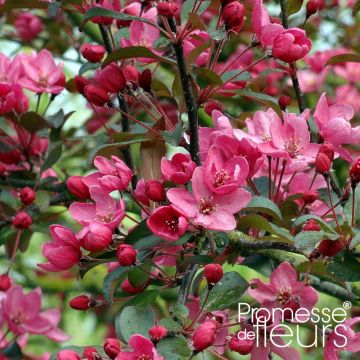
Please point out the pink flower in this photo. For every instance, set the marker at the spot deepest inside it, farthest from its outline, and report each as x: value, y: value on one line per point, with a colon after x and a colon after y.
x: 10, y: 70
x: 348, y: 94
x: 105, y: 4
x: 193, y: 41
x: 224, y: 175
x: 113, y: 174
x: 334, y: 126
x: 22, y: 313
x: 41, y: 74
x: 95, y: 237
x: 142, y: 347
x: 284, y: 290
x: 179, y: 169
x: 140, y: 194
x: 207, y: 209
x: 63, y: 251
x: 28, y: 26
x: 343, y: 338
x: 105, y: 210
x: 12, y: 98
x: 167, y: 223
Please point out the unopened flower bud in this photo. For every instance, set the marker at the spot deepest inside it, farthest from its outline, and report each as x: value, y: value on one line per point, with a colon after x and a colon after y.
x: 90, y: 353
x: 309, y: 196
x: 130, y: 289
x: 322, y: 163
x: 212, y: 105
x: 145, y: 79
x: 154, y: 190
x: 80, y: 83
x: 95, y: 237
x: 22, y: 220
x: 68, y: 355
x: 330, y: 247
x: 312, y: 7
x: 112, y: 347
x: 82, y: 302
x: 243, y: 346
x: 27, y: 195
x: 111, y: 78
x: 355, y: 172
x: 167, y: 9
x: 96, y: 95
x: 5, y: 282
x: 284, y: 101
x: 328, y: 150
x: 126, y: 255
x: 213, y: 273
x: 311, y: 225
x: 92, y: 53
x: 77, y: 187
x: 204, y: 335
x: 157, y: 332
x: 233, y: 15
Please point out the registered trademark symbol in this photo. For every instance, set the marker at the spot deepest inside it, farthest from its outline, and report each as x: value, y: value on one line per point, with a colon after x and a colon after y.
x: 347, y: 305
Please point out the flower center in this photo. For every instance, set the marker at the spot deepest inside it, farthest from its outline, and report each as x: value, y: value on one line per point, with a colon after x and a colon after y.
x: 106, y: 218
x: 292, y: 148
x: 19, y: 318
x: 284, y: 295
x: 144, y: 357
x: 207, y: 206
x: 42, y: 81
x: 172, y: 224
x: 221, y: 177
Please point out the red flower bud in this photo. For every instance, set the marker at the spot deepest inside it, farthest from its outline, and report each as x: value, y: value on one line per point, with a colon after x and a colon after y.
x: 309, y: 196
x: 213, y: 273
x: 204, y: 335
x: 77, y: 187
x: 284, y: 101
x: 212, y: 105
x: 167, y: 9
x: 5, y: 282
x: 111, y: 78
x: 330, y: 247
x: 92, y: 53
x: 96, y: 95
x: 328, y: 150
x: 22, y: 220
x: 126, y: 255
x: 81, y: 302
x: 290, y: 308
x: 95, y: 237
x: 2, y: 169
x: 90, y: 353
x: 112, y: 347
x: 80, y: 84
x: 311, y: 225
x: 312, y: 7
x: 27, y: 195
x: 233, y: 15
x: 243, y: 346
x: 68, y: 355
x: 322, y: 163
x: 145, y: 79
x: 158, y: 332
x: 128, y: 288
x: 154, y: 190
x: 131, y: 73
x: 355, y: 172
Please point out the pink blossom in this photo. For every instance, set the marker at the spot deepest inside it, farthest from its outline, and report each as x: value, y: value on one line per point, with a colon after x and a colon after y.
x: 284, y: 290
x: 142, y: 347
x: 348, y: 94
x: 167, y: 223
x: 41, y: 74
x: 105, y: 4
x: 140, y: 194
x: 350, y: 71
x: 224, y: 175
x: 179, y: 169
x: 334, y: 126
x: 343, y: 338
x: 113, y: 174
x: 193, y: 41
x: 12, y: 98
x: 22, y: 313
x: 63, y: 251
x: 28, y: 26
x: 205, y: 208
x: 10, y: 69
x: 105, y: 210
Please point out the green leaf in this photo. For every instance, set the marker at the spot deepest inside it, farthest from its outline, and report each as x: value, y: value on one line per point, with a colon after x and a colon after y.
x: 175, y: 348
x: 132, y: 52
x: 108, y: 286
x: 42, y: 200
x: 141, y: 236
x: 12, y: 351
x: 173, y: 137
x: 206, y: 77
x: 144, y: 299
x: 53, y: 9
x: 306, y: 240
x: 133, y: 320
x: 138, y: 277
x: 58, y: 119
x: 218, y: 35
x: 245, y: 76
x: 354, y: 241
x: 293, y: 6
x: 20, y: 4
x: 87, y: 67
x: 259, y: 222
x: 180, y: 310
x: 33, y: 122
x: 264, y: 205
x: 171, y: 325
x: 356, y: 8
x: 54, y: 153
x: 323, y: 224
x: 344, y: 266
x: 227, y: 293
x: 338, y: 59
